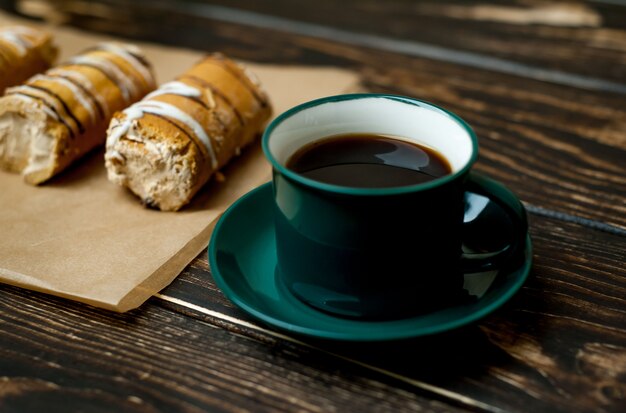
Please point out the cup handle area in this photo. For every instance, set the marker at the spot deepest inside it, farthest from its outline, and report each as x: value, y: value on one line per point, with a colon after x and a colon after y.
x: 495, y: 226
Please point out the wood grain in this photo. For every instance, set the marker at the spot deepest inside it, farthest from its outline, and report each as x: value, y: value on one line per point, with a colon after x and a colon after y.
x: 59, y: 356
x: 576, y: 37
x: 558, y: 346
x: 585, y: 38
x: 558, y: 147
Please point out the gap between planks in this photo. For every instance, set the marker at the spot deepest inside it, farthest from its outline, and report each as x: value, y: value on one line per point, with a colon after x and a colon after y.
x: 406, y: 47
x: 446, y: 394
x: 459, y: 398
x: 585, y: 222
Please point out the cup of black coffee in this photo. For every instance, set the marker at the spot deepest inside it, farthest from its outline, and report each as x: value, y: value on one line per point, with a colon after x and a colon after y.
x: 369, y: 203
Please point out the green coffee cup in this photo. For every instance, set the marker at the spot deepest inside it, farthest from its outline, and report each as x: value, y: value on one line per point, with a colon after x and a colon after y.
x: 380, y: 252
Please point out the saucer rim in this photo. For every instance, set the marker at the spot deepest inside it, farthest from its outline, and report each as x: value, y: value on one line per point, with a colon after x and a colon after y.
x: 377, y: 335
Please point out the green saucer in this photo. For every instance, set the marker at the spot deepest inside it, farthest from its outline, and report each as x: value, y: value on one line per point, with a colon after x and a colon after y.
x: 242, y: 256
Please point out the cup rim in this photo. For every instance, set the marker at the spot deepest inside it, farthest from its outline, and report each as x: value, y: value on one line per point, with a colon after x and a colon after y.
x: 346, y: 190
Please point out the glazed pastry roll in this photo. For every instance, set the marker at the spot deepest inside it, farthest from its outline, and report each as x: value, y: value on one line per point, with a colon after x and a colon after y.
x: 24, y: 51
x: 55, y: 118
x: 167, y: 146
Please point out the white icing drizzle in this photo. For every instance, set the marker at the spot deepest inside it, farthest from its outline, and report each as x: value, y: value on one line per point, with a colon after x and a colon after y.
x: 126, y: 84
x: 46, y: 109
x: 78, y: 93
x: 175, y: 88
x: 123, y: 52
x: 85, y: 82
x: 43, y: 96
x: 24, y: 30
x: 156, y: 107
x: 13, y: 35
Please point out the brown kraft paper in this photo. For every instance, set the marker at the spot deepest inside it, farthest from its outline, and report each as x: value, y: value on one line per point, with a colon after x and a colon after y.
x: 83, y: 238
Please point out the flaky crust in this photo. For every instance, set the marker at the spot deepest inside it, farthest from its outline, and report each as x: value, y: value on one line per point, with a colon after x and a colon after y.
x: 159, y: 156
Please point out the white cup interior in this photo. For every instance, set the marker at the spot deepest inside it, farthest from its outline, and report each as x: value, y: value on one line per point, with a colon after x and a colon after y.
x: 425, y: 125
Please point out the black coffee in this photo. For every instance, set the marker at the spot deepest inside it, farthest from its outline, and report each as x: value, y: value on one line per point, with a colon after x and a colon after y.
x: 365, y: 160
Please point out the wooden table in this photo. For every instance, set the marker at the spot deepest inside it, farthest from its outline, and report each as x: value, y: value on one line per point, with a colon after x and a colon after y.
x: 542, y: 83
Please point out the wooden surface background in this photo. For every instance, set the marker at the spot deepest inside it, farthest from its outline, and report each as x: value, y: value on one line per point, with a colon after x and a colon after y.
x: 542, y: 83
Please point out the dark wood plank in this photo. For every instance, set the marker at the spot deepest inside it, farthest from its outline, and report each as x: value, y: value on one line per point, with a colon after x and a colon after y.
x: 558, y: 346
x: 576, y: 37
x: 557, y: 147
x: 549, y: 144
x: 59, y: 356
x: 585, y: 38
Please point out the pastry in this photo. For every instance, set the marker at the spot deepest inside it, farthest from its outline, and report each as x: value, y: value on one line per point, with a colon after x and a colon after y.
x: 167, y: 146
x: 24, y: 51
x: 55, y: 118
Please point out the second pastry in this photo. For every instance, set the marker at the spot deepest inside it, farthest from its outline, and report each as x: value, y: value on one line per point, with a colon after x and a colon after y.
x: 167, y: 146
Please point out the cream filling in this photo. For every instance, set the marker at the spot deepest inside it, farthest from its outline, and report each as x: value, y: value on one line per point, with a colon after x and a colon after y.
x: 155, y: 173
x: 13, y: 148
x: 41, y: 156
x: 24, y: 141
